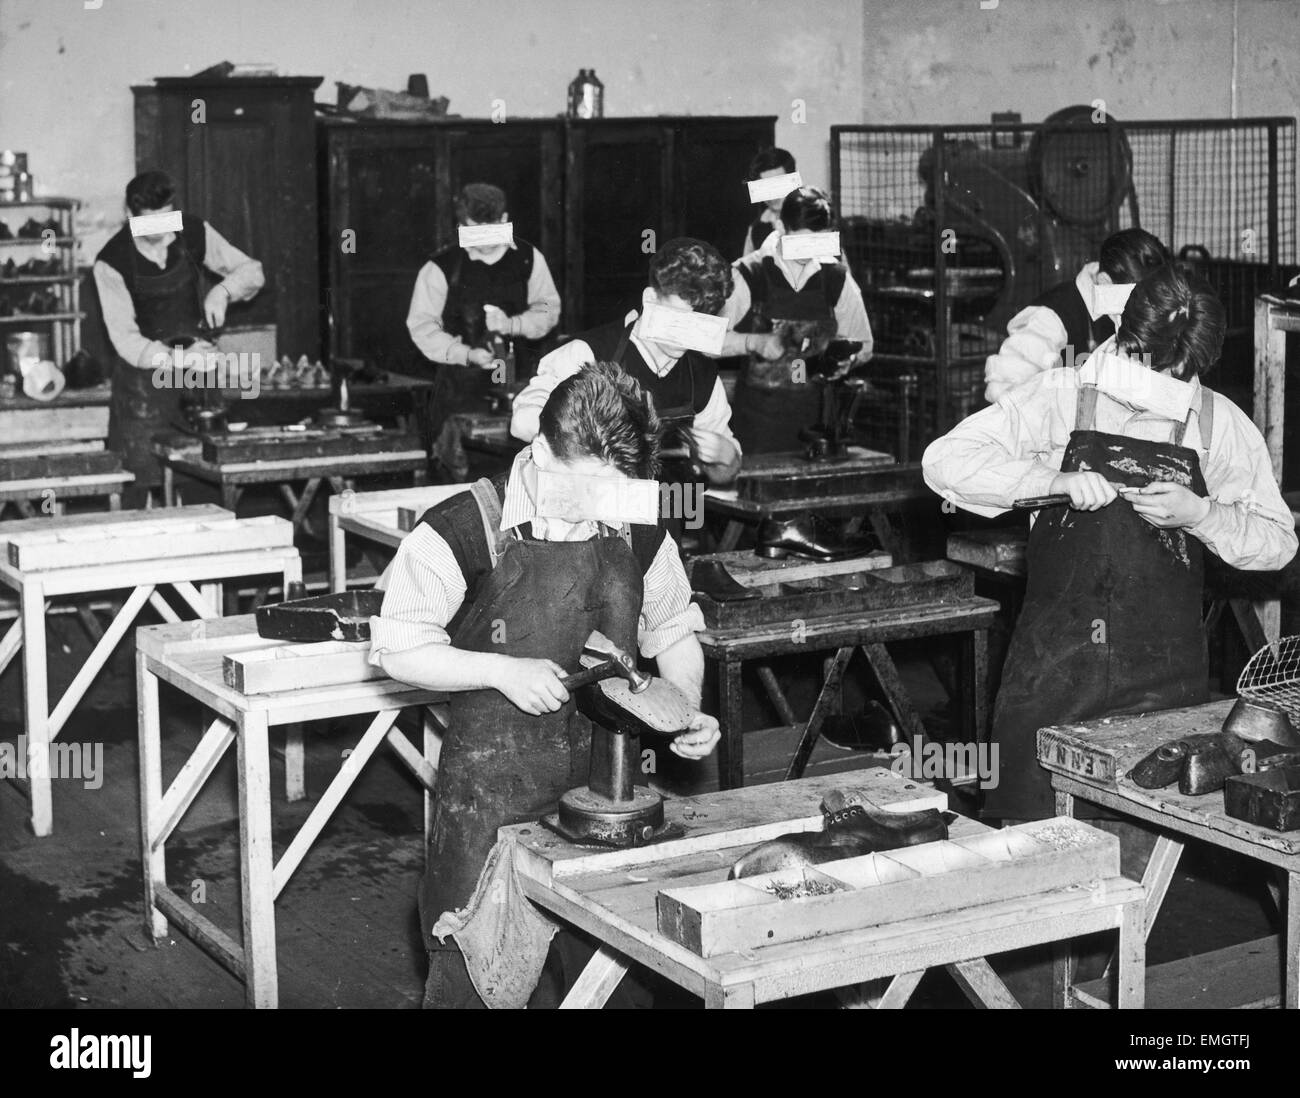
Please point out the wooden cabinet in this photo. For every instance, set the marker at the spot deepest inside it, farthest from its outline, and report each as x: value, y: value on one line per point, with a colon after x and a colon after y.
x: 586, y: 193
x: 243, y: 155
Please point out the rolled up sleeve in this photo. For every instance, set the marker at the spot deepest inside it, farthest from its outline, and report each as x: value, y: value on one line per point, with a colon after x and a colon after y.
x: 525, y: 415
x: 1003, y: 453
x: 1249, y: 526
x: 1035, y: 339
x: 425, y: 589
x: 667, y: 612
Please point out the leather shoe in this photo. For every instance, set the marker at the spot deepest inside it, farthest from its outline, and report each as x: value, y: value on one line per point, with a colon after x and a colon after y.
x: 710, y: 577
x: 809, y: 538
x: 874, y: 729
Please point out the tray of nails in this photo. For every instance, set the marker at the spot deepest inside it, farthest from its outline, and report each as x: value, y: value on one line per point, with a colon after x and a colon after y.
x: 842, y: 587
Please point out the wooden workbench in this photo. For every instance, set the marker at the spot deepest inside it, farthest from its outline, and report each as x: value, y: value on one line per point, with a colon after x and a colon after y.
x: 900, y: 484
x: 841, y: 635
x: 191, y: 657
x: 183, y: 454
x: 1090, y: 762
x: 611, y: 895
x: 375, y: 519
x: 192, y: 549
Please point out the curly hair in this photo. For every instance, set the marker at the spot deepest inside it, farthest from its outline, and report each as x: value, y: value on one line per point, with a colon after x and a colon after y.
x: 807, y: 208
x: 1175, y: 317
x: 767, y: 159
x: 694, y: 271
x: 601, y: 412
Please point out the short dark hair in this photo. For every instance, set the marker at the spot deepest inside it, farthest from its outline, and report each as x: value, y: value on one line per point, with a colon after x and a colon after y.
x: 481, y: 202
x: 694, y: 271
x: 601, y: 412
x: 807, y: 208
x: 767, y: 159
x: 150, y: 190
x: 1131, y: 254
x: 1174, y: 316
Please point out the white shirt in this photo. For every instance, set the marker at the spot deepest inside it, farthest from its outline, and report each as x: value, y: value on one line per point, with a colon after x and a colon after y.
x: 1013, y: 450
x: 429, y: 298
x: 568, y: 360
x: 426, y: 586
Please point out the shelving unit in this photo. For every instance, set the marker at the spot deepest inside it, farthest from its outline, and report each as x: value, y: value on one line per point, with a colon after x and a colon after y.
x: 64, y: 324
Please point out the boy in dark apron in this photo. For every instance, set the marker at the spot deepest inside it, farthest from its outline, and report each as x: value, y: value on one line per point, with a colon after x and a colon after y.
x: 154, y: 297
x: 493, y: 605
x: 783, y: 315
x: 1158, y: 469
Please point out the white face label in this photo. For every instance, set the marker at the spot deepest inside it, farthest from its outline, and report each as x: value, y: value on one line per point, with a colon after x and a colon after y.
x: 683, y: 328
x: 1110, y: 300
x: 774, y: 187
x: 810, y: 245
x: 155, y: 224
x: 613, y: 500
x: 487, y: 236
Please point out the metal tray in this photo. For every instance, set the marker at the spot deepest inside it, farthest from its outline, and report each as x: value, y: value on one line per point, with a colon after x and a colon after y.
x: 343, y: 616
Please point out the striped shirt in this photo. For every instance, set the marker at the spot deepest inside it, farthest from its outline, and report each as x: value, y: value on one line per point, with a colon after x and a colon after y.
x: 426, y: 587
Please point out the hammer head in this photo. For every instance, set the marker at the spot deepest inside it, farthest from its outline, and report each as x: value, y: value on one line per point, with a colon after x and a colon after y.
x: 624, y: 665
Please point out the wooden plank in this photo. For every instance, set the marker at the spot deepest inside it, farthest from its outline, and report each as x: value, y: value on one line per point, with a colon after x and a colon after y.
x: 257, y: 860
x: 1001, y: 550
x: 206, y: 512
x: 1244, y: 976
x: 44, y: 551
x: 49, y: 447
x: 420, y: 499
x: 54, y: 466
x: 299, y: 667
x: 981, y: 984
x: 750, y: 570
x: 889, y: 887
x: 715, y: 821
x: 39, y: 424
x: 304, y: 446
x: 603, y: 973
x: 168, y: 810
x: 202, y: 931
x: 900, y: 990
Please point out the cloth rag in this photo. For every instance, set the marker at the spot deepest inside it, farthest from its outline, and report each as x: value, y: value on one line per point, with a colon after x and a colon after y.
x: 502, y: 936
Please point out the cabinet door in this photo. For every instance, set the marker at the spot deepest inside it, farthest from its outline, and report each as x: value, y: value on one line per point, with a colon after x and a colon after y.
x: 247, y: 166
x: 385, y: 203
x: 619, y: 178
x: 712, y: 164
x: 523, y: 159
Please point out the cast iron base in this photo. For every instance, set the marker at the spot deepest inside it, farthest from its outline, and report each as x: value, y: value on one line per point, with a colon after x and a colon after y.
x: 587, y: 817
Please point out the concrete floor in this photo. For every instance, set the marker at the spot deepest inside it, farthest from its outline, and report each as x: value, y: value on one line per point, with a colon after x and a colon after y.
x: 71, y: 910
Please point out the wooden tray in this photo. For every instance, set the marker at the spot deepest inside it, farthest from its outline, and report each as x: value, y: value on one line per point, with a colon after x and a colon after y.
x: 53, y: 466
x: 280, y: 667
x: 144, y: 537
x: 1000, y: 550
x: 830, y: 595
x: 814, y: 480
x: 278, y: 444
x: 889, y: 887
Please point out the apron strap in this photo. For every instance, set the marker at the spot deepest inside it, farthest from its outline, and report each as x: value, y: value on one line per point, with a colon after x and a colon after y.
x: 1205, y: 415
x: 621, y: 347
x: 1085, y: 409
x: 489, y: 506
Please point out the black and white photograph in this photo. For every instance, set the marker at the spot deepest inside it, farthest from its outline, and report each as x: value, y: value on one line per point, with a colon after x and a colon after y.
x: 648, y: 505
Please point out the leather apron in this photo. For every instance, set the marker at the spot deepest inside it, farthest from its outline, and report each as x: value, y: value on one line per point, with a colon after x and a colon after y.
x: 499, y: 765
x: 1111, y: 622
x: 684, y: 488
x: 168, y: 307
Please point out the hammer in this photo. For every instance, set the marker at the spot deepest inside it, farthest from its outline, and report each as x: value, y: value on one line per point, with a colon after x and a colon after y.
x: 613, y: 661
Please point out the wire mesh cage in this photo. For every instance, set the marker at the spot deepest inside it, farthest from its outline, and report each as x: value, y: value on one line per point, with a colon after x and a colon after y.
x: 952, y: 230
x: 1272, y: 677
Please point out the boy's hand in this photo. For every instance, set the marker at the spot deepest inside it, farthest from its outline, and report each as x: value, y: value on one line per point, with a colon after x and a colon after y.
x: 495, y: 320
x: 1087, y: 491
x: 1167, y: 505
x: 699, y: 740
x: 478, y: 356
x: 535, y: 686
x: 765, y: 345
x: 710, y: 447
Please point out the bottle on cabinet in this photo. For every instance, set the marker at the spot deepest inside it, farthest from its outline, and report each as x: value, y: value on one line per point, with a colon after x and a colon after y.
x: 586, y: 95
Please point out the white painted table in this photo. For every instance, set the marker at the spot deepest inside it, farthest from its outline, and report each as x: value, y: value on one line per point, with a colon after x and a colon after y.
x: 375, y: 518
x: 192, y: 549
x: 281, y: 684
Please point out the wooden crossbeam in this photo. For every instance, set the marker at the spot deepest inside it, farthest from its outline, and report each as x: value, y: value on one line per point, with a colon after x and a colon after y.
x: 187, y: 784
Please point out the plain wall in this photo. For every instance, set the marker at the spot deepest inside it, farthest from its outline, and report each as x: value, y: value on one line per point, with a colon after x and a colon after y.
x: 65, y: 72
